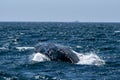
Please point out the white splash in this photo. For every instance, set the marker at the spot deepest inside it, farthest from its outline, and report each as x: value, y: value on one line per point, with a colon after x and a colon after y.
x: 89, y: 59
x: 39, y: 57
x: 24, y: 48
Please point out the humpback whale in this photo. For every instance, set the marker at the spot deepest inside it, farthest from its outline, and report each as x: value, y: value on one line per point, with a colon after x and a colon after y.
x: 56, y: 52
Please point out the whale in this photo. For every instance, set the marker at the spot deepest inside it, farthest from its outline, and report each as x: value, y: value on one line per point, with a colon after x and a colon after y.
x: 57, y: 52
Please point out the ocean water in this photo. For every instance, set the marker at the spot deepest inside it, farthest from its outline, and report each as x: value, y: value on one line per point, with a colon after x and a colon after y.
x: 99, y: 43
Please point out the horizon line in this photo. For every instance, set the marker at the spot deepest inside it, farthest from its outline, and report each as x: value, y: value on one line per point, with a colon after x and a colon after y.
x: 68, y: 21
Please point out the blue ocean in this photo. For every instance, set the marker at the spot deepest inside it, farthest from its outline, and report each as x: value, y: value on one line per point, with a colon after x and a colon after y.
x: 98, y: 43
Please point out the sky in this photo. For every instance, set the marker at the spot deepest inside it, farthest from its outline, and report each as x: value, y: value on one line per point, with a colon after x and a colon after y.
x: 60, y: 10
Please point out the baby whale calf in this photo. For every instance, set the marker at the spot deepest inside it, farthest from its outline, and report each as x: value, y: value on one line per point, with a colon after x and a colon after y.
x: 56, y: 52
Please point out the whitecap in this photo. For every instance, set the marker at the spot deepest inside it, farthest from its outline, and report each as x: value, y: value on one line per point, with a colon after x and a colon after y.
x: 116, y: 31
x: 24, y: 48
x: 78, y: 46
x: 3, y: 48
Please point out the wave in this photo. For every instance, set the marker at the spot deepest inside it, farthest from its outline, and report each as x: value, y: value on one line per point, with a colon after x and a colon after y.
x: 116, y: 31
x: 24, y: 48
x: 3, y: 48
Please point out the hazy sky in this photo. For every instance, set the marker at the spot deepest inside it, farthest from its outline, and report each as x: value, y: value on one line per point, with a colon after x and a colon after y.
x: 60, y: 10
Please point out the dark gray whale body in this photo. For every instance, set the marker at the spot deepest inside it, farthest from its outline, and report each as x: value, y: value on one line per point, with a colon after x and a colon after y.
x: 57, y: 52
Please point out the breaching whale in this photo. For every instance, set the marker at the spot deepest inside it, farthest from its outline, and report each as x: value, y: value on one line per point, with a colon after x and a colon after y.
x: 56, y: 52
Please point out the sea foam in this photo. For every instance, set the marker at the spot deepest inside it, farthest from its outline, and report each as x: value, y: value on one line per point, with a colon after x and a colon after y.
x: 89, y: 59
